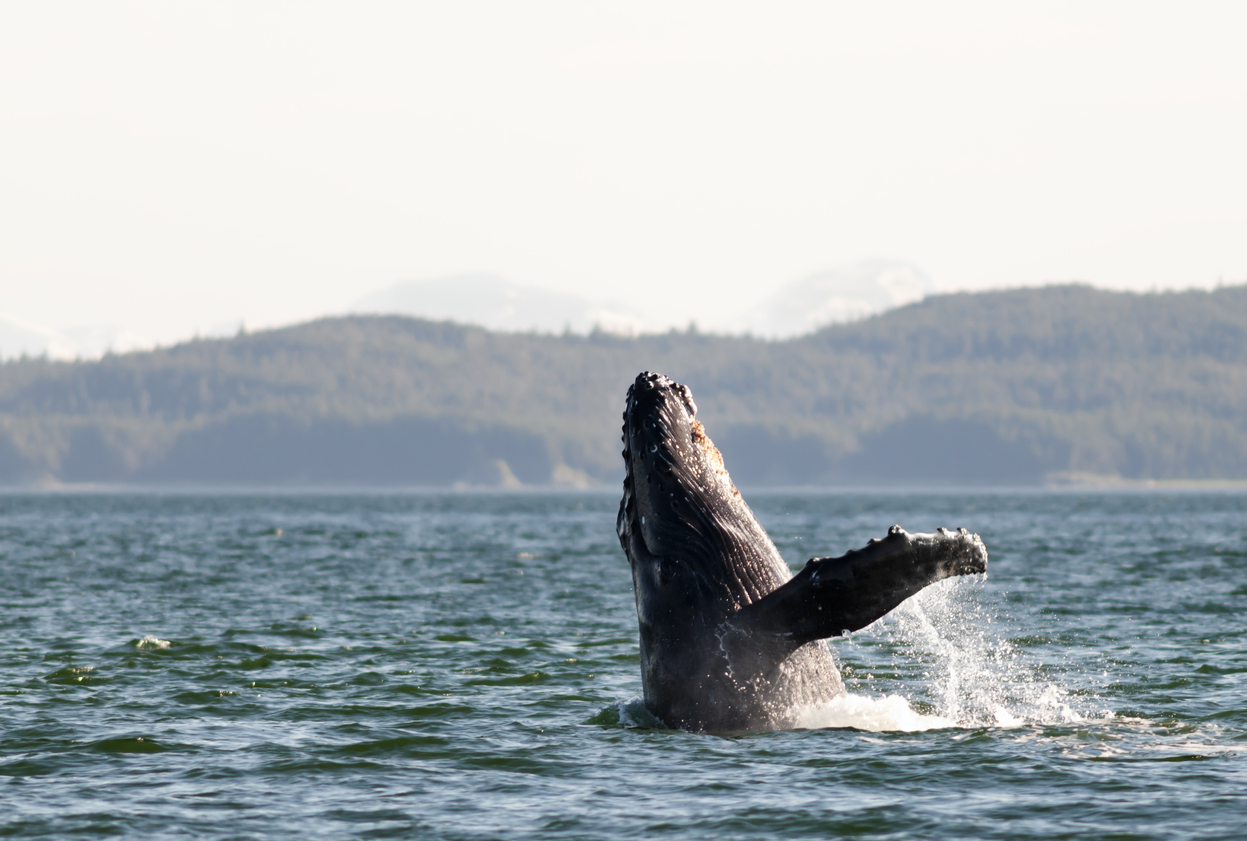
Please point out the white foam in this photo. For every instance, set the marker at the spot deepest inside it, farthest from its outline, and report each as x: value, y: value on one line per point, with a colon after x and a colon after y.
x: 150, y: 642
x: 876, y: 715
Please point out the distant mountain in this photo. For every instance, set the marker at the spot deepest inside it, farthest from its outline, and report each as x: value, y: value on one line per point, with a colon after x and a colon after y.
x: 21, y: 338
x: 489, y: 301
x: 94, y: 340
x: 836, y: 296
x: 1018, y: 387
x: 497, y: 304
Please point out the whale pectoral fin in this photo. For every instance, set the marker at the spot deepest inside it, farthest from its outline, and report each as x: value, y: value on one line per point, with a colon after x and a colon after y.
x: 832, y: 596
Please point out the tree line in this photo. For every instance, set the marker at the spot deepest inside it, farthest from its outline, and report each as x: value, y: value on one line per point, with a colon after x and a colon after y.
x: 1011, y: 387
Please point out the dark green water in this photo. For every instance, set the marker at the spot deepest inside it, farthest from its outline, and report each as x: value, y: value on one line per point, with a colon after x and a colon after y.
x: 465, y: 666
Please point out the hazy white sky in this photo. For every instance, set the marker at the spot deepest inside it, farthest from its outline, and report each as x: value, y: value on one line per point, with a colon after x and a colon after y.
x: 171, y: 166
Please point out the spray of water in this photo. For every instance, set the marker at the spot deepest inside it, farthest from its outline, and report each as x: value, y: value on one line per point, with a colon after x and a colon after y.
x: 939, y: 660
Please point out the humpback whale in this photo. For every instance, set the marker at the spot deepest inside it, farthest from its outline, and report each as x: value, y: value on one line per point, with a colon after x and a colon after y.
x: 730, y: 640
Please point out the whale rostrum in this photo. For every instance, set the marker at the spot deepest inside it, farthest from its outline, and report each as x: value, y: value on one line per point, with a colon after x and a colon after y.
x: 730, y: 639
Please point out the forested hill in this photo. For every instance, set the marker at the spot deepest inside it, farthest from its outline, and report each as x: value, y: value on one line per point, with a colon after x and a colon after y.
x: 992, y: 388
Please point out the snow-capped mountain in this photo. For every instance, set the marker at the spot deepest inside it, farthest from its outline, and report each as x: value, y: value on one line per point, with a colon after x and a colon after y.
x: 838, y: 295
x: 498, y: 304
x: 23, y: 338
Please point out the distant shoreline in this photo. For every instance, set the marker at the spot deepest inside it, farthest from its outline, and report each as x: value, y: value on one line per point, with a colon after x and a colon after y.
x: 1075, y: 481
x: 1090, y: 483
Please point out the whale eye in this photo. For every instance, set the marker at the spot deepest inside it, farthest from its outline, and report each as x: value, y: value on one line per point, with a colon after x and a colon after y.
x: 653, y: 448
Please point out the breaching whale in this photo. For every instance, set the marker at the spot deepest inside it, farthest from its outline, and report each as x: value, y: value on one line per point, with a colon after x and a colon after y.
x: 730, y: 639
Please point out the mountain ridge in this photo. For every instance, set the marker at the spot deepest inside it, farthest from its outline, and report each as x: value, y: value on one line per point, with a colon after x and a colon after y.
x: 1012, y: 387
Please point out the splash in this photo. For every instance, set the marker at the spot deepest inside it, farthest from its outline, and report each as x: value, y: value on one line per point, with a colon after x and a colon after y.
x: 149, y: 642
x: 876, y: 715
x: 941, y: 660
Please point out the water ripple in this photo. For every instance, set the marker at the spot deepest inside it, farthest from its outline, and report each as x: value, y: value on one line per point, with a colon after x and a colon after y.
x: 465, y: 666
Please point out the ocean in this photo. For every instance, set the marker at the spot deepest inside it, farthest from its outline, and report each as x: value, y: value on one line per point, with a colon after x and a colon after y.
x: 464, y: 666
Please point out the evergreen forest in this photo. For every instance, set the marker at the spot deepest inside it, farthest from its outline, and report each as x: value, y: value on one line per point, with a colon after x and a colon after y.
x: 1019, y: 387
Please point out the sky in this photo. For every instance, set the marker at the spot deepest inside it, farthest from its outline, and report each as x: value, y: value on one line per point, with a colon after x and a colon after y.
x: 174, y: 167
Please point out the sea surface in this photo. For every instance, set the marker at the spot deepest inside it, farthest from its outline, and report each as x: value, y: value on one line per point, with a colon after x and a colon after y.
x: 464, y: 666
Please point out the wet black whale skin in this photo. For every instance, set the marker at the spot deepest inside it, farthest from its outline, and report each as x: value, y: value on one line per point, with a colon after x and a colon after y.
x: 730, y: 639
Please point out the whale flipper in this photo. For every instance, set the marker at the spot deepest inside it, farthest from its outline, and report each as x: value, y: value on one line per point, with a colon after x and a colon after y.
x: 834, y: 596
